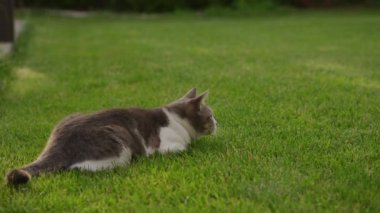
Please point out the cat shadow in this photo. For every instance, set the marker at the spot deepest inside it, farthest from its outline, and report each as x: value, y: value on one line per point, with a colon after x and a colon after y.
x: 207, y: 145
x: 21, y: 188
x: 204, y: 147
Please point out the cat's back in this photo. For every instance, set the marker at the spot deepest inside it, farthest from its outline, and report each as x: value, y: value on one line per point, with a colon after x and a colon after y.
x: 123, y: 117
x: 116, y: 116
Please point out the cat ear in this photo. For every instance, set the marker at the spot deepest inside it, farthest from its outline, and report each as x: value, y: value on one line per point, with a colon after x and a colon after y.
x: 199, y: 100
x: 203, y: 96
x: 191, y: 93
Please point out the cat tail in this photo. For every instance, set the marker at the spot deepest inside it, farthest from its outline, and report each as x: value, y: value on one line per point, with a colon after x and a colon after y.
x: 24, y: 174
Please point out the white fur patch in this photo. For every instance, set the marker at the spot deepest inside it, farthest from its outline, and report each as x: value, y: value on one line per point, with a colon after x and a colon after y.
x: 96, y: 165
x: 149, y: 150
x: 177, y: 135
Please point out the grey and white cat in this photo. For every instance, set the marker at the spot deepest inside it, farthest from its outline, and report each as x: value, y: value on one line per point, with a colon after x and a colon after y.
x: 110, y: 138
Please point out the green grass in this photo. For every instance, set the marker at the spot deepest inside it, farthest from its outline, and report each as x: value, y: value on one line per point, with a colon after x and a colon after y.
x: 297, y: 98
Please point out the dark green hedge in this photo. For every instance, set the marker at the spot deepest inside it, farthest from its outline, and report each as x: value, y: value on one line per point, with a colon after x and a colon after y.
x: 170, y: 5
x: 125, y: 5
x: 330, y: 3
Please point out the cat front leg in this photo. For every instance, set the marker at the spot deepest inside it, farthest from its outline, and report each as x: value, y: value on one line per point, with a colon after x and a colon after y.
x: 171, y: 146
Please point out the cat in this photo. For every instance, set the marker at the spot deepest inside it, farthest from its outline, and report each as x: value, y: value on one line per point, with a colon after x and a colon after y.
x: 110, y: 138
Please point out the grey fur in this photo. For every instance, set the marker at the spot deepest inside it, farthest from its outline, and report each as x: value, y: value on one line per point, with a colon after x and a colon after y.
x: 104, y: 134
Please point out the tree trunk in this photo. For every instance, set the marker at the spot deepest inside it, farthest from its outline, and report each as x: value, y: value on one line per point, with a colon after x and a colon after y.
x: 6, y: 21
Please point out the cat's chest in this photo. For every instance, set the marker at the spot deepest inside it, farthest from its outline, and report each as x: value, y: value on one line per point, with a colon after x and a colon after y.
x: 173, y: 138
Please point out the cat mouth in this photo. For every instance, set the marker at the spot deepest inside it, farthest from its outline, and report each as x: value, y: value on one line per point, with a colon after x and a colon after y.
x: 212, y: 130
x: 214, y: 127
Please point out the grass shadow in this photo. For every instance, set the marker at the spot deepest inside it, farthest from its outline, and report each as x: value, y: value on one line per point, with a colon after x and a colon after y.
x: 5, y: 69
x: 21, y: 49
x: 18, y: 56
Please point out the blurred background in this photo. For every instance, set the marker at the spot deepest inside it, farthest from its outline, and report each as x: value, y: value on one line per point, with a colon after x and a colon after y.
x: 294, y: 84
x: 172, y: 5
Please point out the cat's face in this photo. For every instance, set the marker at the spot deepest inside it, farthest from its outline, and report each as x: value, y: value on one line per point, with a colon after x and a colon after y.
x: 205, y: 121
x: 194, y: 110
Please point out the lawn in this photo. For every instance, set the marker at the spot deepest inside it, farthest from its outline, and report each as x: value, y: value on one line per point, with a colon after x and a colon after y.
x: 297, y: 97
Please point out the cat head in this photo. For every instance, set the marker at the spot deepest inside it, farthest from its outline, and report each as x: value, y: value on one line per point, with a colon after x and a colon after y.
x: 192, y: 109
